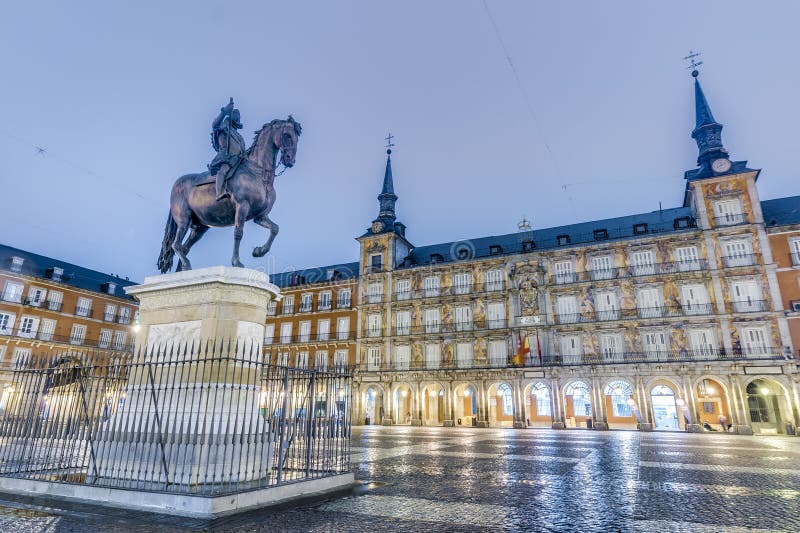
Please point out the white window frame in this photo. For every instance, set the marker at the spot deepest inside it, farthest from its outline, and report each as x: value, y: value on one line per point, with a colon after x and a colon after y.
x: 304, y: 331
x: 601, y: 267
x: 110, y: 312
x: 402, y: 322
x: 28, y: 326
x: 728, y: 212
x: 612, y: 346
x: 703, y: 343
x: 47, y: 329
x: 564, y: 272
x: 738, y: 252
x: 306, y: 302
x: 120, y: 338
x: 343, y: 328
x: 755, y: 340
x: 104, y: 341
x: 650, y: 302
x: 607, y: 305
x: 433, y: 355
x: 430, y: 286
x: 124, y: 315
x: 286, y: 333
x: 21, y: 358
x: 688, y: 258
x: 402, y: 289
x: 7, y: 321
x: 695, y: 299
x: 655, y: 344
x: 643, y: 262
x: 302, y: 359
x: 54, y: 300
x: 373, y: 358
x: 375, y: 292
x: 323, y: 329
x: 402, y: 356
x: 432, y: 320
x: 571, y: 349
x: 77, y: 334
x: 287, y: 304
x: 83, y: 307
x: 794, y: 250
x: 12, y: 292
x: 343, y: 298
x: 269, y: 333
x: 746, y: 296
x: 374, y: 325
x: 36, y: 296
x: 567, y: 309
x: 324, y: 300
x: 494, y: 280
x: 462, y: 283
x: 321, y: 360
x: 497, y: 352
x: 496, y: 315
x: 341, y: 359
x: 272, y: 308
x: 462, y: 317
x: 464, y: 355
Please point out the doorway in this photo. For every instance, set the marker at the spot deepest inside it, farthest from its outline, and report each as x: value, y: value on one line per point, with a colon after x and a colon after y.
x: 665, y: 410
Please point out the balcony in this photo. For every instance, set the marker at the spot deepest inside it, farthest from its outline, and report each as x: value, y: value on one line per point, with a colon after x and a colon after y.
x: 602, y: 273
x: 306, y: 338
x: 343, y: 304
x: 739, y: 260
x: 749, y: 306
x: 794, y: 257
x: 607, y: 314
x: 12, y: 298
x: 324, y: 306
x: 34, y: 302
x: 54, y: 306
x: 374, y: 298
x: 109, y: 317
x: 731, y: 219
x: 494, y: 286
x: 304, y: 308
x: 562, y: 278
x: 495, y: 323
x: 650, y: 269
x: 124, y: 319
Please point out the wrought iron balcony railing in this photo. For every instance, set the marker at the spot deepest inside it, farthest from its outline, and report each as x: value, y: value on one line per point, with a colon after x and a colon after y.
x: 45, y: 336
x: 308, y: 338
x: 649, y: 269
x: 663, y: 311
x: 740, y: 260
x: 749, y: 306
x: 731, y: 219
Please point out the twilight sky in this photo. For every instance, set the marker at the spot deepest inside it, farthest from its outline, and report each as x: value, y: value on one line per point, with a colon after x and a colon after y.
x: 122, y: 95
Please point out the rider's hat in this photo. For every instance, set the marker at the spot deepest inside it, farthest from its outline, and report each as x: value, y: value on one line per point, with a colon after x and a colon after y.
x: 236, y: 120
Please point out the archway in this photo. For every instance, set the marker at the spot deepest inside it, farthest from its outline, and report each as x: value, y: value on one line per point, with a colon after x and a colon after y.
x: 433, y: 405
x: 402, y: 402
x: 465, y: 405
x: 501, y: 405
x: 666, y: 411
x: 712, y: 404
x: 578, y: 404
x: 621, y: 407
x: 767, y: 406
x: 538, y: 407
x: 373, y: 405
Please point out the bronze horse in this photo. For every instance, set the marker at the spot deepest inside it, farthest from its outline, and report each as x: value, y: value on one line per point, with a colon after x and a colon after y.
x: 252, y: 194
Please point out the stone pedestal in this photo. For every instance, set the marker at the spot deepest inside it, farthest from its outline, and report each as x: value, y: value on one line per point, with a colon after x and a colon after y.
x: 416, y: 422
x: 387, y: 422
x: 482, y: 424
x: 645, y: 426
x: 191, y: 413
x: 449, y: 424
x: 558, y: 425
x: 600, y: 425
x: 742, y: 430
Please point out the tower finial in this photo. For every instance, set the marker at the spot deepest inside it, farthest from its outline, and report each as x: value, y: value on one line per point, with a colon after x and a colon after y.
x: 389, y: 143
x: 693, y: 64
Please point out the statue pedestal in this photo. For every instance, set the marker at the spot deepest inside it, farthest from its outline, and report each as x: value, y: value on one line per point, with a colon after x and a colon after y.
x: 190, y: 414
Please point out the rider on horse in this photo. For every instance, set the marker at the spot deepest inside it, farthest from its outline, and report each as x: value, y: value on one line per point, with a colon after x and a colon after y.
x: 229, y: 145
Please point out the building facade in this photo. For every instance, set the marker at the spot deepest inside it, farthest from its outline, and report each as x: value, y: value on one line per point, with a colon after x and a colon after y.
x: 672, y: 319
x: 52, y: 307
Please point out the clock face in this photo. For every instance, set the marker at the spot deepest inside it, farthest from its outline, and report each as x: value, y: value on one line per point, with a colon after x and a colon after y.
x: 721, y: 165
x: 377, y: 227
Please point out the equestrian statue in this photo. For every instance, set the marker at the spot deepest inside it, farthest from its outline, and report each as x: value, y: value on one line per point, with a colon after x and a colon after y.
x: 239, y: 186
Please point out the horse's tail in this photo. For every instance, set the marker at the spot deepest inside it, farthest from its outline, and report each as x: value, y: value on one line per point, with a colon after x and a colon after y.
x: 167, y: 253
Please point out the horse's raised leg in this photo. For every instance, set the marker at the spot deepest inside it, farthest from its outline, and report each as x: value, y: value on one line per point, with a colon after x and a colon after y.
x: 177, y: 246
x: 265, y: 222
x: 238, y: 231
x: 195, y: 235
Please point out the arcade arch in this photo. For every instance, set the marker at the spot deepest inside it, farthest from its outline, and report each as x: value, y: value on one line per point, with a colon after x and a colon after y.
x: 465, y: 405
x: 621, y: 406
x: 433, y: 405
x: 538, y: 405
x: 501, y: 405
x: 578, y: 404
x: 768, y: 406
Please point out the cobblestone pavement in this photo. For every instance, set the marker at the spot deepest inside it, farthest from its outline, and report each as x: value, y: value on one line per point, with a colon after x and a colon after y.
x: 443, y: 479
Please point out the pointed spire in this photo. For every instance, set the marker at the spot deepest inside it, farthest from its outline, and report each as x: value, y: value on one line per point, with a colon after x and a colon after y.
x: 707, y: 132
x: 387, y: 197
x: 702, y: 110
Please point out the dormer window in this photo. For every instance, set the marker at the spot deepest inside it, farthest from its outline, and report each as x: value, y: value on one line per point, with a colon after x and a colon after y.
x: 528, y: 245
x: 55, y: 273
x: 562, y: 240
x: 437, y: 258
x: 682, y: 223
x: 495, y: 249
x: 640, y: 229
x: 463, y: 253
x: 16, y: 264
x: 109, y: 288
x: 600, y: 234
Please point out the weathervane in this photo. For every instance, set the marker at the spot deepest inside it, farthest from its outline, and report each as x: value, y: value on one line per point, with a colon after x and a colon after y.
x: 692, y: 63
x: 389, y: 143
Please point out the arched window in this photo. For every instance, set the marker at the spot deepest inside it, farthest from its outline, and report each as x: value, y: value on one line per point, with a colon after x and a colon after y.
x: 504, y: 392
x: 541, y: 395
x: 662, y: 390
x: 581, y: 399
x: 620, y: 392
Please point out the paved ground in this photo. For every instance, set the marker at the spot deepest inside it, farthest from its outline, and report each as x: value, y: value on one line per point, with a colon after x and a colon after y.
x: 437, y: 479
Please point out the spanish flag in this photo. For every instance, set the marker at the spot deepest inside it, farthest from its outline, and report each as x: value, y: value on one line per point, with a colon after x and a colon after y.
x: 523, y: 349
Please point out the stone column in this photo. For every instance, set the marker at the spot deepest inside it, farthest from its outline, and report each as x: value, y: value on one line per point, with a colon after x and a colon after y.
x: 449, y: 406
x: 416, y: 404
x: 691, y: 405
x: 556, y: 407
x: 643, y: 404
x: 388, y: 406
x: 483, y: 406
x: 742, y: 423
x: 599, y: 408
x: 519, y: 405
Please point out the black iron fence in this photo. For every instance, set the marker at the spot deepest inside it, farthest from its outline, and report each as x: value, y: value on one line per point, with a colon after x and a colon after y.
x: 210, y: 419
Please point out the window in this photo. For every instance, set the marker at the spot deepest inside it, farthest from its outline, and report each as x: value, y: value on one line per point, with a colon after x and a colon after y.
x: 462, y: 282
x: 343, y: 298
x: 602, y: 267
x: 648, y: 302
x: 78, y: 334
x: 374, y: 292
x: 498, y: 353
x: 110, y: 313
x: 373, y: 358
x: 746, y: 295
x: 794, y: 247
x: 36, y: 296
x: 340, y: 359
x: 562, y: 240
x: 403, y: 289
x: 655, y: 345
x: 306, y: 300
x: 22, y: 358
x: 305, y: 331
x: 564, y: 272
x: 286, y: 332
x: 124, y: 315
x: 695, y: 299
x: 640, y: 229
x: 541, y: 395
x: 620, y: 392
x: 754, y: 341
x: 433, y: 355
x: 611, y: 346
x: 581, y: 399
x: 431, y: 320
x: 119, y: 339
x: 28, y: 326
x: 430, y: 286
x: 728, y: 212
x: 682, y: 223
x: 13, y: 292
x: 494, y: 280
x: 287, y: 305
x: 688, y: 258
x: 16, y: 264
x: 343, y: 328
x: 282, y: 359
x: 302, y: 359
x: 567, y: 309
x: 402, y: 323
x: 571, y: 349
x: 269, y: 333
x: 436, y: 258
x: 504, y: 396
x: 495, y: 249
x: 375, y: 262
x: 643, y: 263
x: 462, y: 316
x: 271, y: 307
x: 496, y: 315
x: 464, y: 354
x: 528, y: 245
x: 55, y: 273
x: 703, y: 343
x: 54, y: 300
x: 321, y: 360
x: 738, y: 253
x: 600, y: 234
x: 47, y: 329
x: 323, y: 329
x: 84, y: 307
x: 324, y: 302
x: 402, y: 357
x: 105, y: 338
x: 374, y: 325
x: 607, y: 305
x: 7, y: 323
